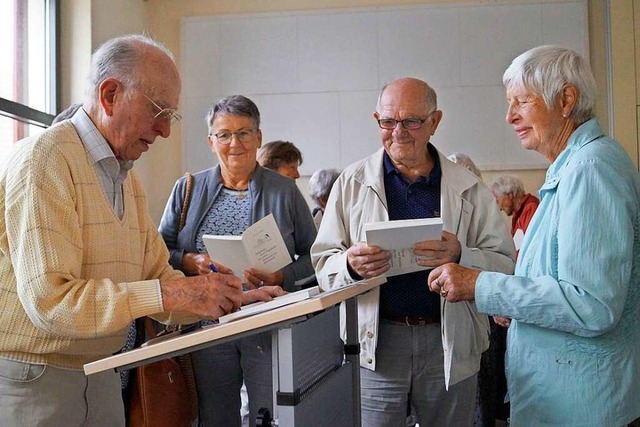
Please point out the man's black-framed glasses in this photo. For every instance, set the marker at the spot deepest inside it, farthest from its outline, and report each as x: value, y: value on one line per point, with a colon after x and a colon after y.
x: 225, y: 137
x: 410, y: 124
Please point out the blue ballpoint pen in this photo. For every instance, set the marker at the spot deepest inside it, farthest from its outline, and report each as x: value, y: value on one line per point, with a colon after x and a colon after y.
x: 213, y: 268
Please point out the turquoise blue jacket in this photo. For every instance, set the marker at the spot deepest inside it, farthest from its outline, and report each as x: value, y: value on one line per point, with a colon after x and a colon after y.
x: 574, y: 344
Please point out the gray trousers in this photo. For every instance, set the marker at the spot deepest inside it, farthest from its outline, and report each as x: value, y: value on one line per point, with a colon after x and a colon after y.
x: 219, y: 373
x: 410, y: 369
x: 41, y: 395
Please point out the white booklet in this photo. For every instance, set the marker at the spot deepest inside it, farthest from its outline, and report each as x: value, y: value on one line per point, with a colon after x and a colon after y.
x: 399, y: 237
x: 261, y: 246
x: 262, y: 306
x: 518, y: 237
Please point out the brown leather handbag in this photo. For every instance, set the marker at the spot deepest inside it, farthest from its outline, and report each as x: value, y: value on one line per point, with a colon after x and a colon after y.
x: 163, y: 392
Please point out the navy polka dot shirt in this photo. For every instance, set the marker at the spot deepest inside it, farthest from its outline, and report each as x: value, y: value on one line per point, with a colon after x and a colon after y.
x: 408, y: 294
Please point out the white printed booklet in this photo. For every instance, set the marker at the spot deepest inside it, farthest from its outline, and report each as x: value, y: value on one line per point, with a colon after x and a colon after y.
x: 399, y: 237
x: 261, y: 246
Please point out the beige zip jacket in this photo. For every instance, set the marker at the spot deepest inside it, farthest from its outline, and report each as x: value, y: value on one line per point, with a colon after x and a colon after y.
x: 468, y: 209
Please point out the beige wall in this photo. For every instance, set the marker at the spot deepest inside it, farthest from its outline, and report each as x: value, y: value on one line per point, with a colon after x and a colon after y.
x: 85, y: 25
x: 75, y: 48
x: 624, y: 86
x: 162, y: 165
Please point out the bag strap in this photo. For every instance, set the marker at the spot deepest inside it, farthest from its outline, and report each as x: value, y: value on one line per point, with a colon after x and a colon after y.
x: 148, y: 322
x: 187, y: 200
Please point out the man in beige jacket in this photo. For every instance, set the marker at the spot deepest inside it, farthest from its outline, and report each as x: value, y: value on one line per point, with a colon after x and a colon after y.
x: 415, y: 349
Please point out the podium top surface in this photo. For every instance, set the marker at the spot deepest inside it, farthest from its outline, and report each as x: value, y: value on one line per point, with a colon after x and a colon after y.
x: 198, y: 339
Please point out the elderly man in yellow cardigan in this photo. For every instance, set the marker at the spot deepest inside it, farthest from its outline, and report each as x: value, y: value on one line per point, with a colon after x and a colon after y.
x: 80, y: 258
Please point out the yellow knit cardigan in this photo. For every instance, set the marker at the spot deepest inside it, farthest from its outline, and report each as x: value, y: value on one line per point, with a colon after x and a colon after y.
x: 72, y: 274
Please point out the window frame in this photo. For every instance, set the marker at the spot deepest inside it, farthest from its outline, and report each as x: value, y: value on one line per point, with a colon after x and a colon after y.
x: 24, y: 113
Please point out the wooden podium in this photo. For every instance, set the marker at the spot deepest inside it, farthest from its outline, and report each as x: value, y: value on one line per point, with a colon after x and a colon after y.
x: 316, y: 375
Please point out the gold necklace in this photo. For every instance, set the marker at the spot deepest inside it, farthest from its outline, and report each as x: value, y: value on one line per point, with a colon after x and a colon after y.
x: 240, y: 193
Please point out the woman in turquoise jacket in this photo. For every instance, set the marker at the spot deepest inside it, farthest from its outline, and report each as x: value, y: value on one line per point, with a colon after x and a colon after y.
x: 574, y: 341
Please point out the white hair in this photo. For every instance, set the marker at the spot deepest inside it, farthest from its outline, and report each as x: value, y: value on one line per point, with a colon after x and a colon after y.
x: 120, y: 58
x: 544, y: 70
x: 320, y: 184
x: 507, y: 184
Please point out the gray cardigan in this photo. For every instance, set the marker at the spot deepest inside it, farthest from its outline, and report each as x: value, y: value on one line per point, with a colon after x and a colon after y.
x: 270, y: 193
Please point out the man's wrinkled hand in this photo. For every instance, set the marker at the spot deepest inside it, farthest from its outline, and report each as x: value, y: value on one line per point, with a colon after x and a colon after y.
x: 208, y: 296
x: 265, y: 293
x: 254, y: 278
x: 368, y: 261
x: 194, y: 263
x: 434, y: 253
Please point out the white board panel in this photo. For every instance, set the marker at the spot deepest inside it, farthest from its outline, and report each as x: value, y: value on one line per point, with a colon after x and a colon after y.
x: 560, y: 26
x: 492, y: 36
x: 316, y: 75
x: 359, y: 133
x: 200, y: 64
x: 258, y: 55
x: 420, y: 43
x: 194, y: 133
x: 311, y: 121
x: 338, y: 52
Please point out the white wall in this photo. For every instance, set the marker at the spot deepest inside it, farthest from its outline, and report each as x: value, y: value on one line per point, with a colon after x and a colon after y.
x: 315, y: 76
x: 161, y: 166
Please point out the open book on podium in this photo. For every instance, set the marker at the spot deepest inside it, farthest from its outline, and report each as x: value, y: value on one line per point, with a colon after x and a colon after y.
x: 262, y: 306
x: 223, y: 332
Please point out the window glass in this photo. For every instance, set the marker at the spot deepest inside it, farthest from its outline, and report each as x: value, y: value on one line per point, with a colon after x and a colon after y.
x: 27, y: 68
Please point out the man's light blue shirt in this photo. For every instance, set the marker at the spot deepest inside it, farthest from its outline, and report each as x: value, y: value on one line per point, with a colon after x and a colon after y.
x: 111, y: 171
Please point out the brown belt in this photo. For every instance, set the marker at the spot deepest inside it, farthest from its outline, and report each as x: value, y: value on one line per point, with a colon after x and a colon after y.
x: 413, y: 320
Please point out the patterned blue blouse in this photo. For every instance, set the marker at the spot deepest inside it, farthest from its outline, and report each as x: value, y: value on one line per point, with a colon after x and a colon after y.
x: 229, y: 216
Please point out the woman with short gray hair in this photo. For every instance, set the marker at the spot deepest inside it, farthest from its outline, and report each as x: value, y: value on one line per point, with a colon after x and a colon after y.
x: 512, y: 200
x: 507, y: 184
x: 225, y: 200
x: 320, y: 185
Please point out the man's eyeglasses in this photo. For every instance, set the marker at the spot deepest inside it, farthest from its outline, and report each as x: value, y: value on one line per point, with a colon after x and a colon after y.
x: 410, y: 124
x: 163, y: 113
x: 226, y: 137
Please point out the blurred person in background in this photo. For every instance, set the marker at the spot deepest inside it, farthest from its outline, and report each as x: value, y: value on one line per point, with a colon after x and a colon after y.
x: 465, y: 160
x: 67, y: 113
x: 514, y: 202
x: 320, y: 185
x: 281, y: 156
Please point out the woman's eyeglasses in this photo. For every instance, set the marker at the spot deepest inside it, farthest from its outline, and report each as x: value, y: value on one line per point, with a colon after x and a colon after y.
x: 225, y: 137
